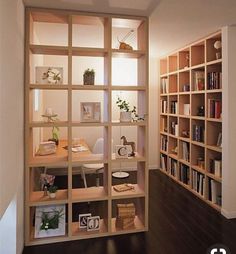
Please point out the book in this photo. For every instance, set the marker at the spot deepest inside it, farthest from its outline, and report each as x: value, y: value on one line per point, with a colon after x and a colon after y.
x: 186, y: 109
x: 164, y: 162
x: 198, y: 80
x: 198, y: 133
x: 164, y: 143
x: 185, y: 148
x: 214, y: 80
x: 164, y: 85
x: 214, y: 108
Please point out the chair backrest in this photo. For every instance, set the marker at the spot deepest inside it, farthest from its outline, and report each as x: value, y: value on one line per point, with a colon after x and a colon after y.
x: 98, y: 147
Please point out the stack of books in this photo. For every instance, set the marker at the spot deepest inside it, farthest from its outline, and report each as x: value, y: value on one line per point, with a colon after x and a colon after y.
x: 216, y: 167
x: 184, y: 174
x: 164, y: 85
x: 199, y: 183
x: 125, y: 215
x: 46, y: 148
x: 214, y: 108
x: 214, y: 80
x: 164, y: 143
x: 198, y: 133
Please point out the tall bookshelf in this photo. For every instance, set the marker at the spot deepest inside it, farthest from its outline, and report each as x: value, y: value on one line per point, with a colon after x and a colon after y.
x: 191, y: 119
x: 70, y: 46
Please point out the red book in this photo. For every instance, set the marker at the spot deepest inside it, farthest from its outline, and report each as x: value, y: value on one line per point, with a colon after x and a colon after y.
x: 217, y: 109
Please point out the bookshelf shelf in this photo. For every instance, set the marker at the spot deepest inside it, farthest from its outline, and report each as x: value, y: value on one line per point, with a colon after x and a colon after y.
x: 73, y: 42
x: 193, y: 76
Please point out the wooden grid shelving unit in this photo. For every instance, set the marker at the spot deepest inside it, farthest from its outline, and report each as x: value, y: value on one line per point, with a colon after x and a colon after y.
x: 178, y: 88
x: 103, y: 196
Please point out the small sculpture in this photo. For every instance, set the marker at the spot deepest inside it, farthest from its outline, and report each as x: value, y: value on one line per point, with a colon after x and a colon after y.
x: 124, y: 45
x: 132, y: 144
x: 201, y: 111
x: 218, y: 46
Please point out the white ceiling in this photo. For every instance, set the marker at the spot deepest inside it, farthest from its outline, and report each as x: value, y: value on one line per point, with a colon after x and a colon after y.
x: 128, y: 7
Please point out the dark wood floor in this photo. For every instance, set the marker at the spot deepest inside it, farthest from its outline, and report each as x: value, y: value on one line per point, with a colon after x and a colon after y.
x: 179, y: 223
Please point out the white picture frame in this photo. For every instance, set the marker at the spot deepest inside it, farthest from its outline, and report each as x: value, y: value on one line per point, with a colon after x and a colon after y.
x: 49, y: 75
x: 83, y: 218
x: 121, y: 151
x: 49, y: 211
x: 93, y: 223
x: 90, y: 112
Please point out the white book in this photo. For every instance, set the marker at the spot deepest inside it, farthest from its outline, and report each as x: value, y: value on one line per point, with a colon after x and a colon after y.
x: 186, y: 109
x: 217, y: 166
x: 176, y: 130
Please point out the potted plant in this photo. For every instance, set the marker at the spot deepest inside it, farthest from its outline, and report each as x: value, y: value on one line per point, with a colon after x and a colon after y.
x: 125, y: 113
x: 55, y: 135
x: 52, y: 191
x: 89, y: 77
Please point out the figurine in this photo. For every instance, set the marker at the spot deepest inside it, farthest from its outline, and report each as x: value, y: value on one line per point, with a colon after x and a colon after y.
x: 201, y: 111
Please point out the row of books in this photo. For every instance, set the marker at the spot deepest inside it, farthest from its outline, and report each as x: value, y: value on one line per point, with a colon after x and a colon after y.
x: 216, y: 167
x: 173, y: 107
x: 214, y: 192
x: 185, y: 147
x: 164, y: 143
x: 184, y: 174
x: 214, y: 108
x: 174, y: 128
x: 164, y: 109
x: 214, y: 80
x: 198, y: 133
x: 198, y: 80
x: 173, y: 167
x: 198, y: 183
x: 164, y: 85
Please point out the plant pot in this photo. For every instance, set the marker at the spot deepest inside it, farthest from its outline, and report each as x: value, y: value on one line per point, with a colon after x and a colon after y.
x: 125, y: 116
x: 54, y: 140
x: 89, y: 79
x: 52, y: 194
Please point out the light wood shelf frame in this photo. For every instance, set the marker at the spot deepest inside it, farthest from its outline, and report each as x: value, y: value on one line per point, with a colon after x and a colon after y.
x: 201, y: 56
x: 104, y: 193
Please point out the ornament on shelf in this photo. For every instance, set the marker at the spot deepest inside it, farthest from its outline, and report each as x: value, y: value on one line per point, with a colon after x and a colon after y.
x: 125, y: 215
x: 218, y: 46
x: 123, y: 44
x: 129, y: 143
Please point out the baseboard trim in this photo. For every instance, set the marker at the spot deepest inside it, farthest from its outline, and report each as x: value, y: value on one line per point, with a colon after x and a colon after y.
x: 228, y: 215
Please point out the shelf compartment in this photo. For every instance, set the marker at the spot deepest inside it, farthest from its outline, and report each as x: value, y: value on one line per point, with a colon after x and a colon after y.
x: 214, y: 105
x: 89, y: 151
x: 139, y: 219
x: 94, y: 27
x: 95, y: 208
x: 137, y: 178
x: 214, y: 192
x: 81, y: 63
x: 173, y: 83
x: 184, y: 105
x: 184, y: 174
x: 184, y: 81
x: 198, y: 157
x: 48, y: 27
x: 198, y: 80
x: 198, y: 131
x: 199, y: 183
x: 163, y: 66
x: 173, y: 167
x: 198, y: 105
x: 163, y: 124
x: 89, y: 182
x: 130, y: 31
x: 40, y: 64
x: 214, y: 134
x: 173, y: 126
x: 164, y: 85
x: 214, y: 163
x: 211, y: 52
x: 184, y: 151
x: 173, y: 63
x: 42, y: 134
x: 198, y: 54
x: 43, y: 102
x: 164, y: 162
x: 164, y: 143
x: 173, y: 105
x: 214, y: 76
x: 89, y: 106
x: 184, y: 128
x: 184, y: 59
x: 173, y: 146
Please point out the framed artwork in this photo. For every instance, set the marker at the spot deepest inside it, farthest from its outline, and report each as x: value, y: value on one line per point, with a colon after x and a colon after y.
x: 83, y: 218
x: 93, y: 223
x: 121, y: 151
x: 50, y: 221
x: 90, y: 112
x: 49, y: 75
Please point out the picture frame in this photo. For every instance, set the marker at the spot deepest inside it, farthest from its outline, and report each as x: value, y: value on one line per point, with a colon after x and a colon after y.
x: 93, y: 223
x: 121, y: 151
x: 90, y: 112
x: 50, y: 221
x: 83, y: 218
x: 49, y: 75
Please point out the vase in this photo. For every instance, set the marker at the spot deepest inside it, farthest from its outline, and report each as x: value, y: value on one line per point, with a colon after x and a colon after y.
x: 125, y: 116
x: 52, y: 194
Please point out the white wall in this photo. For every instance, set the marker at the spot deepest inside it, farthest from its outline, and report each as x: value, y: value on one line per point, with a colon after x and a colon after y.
x: 11, y: 127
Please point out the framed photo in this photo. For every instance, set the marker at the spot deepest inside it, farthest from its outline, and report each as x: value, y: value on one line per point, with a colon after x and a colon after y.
x: 49, y: 221
x: 93, y: 223
x: 121, y: 151
x: 90, y: 112
x: 49, y: 75
x: 83, y: 218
